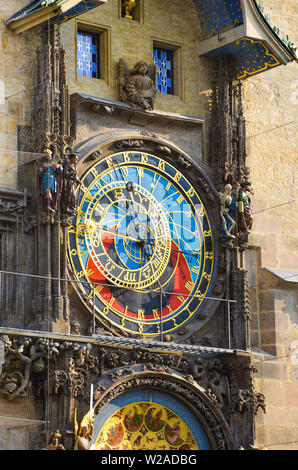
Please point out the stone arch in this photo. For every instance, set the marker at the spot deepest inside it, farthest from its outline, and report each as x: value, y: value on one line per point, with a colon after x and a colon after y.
x: 202, y: 407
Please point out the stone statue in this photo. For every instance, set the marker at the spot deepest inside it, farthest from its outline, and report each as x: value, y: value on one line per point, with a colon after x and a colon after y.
x: 84, y: 434
x: 228, y: 210
x: 83, y: 439
x: 54, y: 442
x: 138, y: 86
x: 245, y: 218
x: 70, y: 182
x: 49, y: 182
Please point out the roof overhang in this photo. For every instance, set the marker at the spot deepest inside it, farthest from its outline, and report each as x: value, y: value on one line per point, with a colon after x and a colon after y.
x: 245, y: 33
x: 39, y: 11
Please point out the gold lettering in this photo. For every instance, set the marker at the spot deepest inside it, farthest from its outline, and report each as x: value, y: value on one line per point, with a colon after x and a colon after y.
x: 110, y: 162
x: 177, y: 176
x: 161, y: 165
x: 195, y: 269
x: 141, y: 314
x: 118, y: 193
x: 109, y: 266
x: 156, y: 314
x: 146, y: 272
x: 130, y: 277
x: 191, y: 192
x: 189, y: 285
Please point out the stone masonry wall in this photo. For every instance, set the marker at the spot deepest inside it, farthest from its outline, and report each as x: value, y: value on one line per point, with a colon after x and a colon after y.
x: 17, y: 67
x: 173, y: 22
x: 271, y: 105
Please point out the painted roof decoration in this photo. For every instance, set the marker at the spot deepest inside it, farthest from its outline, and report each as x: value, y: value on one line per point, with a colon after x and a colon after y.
x: 81, y: 7
x: 38, y: 11
x: 217, y: 16
x: 251, y: 57
x: 241, y: 29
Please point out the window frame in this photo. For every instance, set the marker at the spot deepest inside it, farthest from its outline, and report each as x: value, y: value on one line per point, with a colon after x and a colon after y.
x: 92, y: 35
x: 103, y: 54
x: 178, y: 69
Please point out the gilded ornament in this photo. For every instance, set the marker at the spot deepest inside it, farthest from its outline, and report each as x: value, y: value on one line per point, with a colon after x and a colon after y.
x: 129, y: 5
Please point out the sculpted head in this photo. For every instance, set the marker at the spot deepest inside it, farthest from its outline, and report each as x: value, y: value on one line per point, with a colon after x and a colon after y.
x: 140, y: 67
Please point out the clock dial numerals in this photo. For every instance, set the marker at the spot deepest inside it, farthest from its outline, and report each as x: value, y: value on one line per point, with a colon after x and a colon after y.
x: 142, y: 236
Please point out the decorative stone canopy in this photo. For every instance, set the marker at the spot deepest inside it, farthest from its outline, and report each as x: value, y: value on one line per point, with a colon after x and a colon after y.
x: 39, y: 11
x: 241, y: 29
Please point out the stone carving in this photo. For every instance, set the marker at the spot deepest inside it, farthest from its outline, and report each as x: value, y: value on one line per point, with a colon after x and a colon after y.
x: 49, y: 182
x: 54, y: 442
x: 240, y: 310
x: 184, y: 163
x: 15, y: 379
x: 138, y: 85
x: 122, y: 144
x: 228, y: 132
x: 70, y: 182
x: 245, y: 399
x: 228, y: 208
x: 245, y: 217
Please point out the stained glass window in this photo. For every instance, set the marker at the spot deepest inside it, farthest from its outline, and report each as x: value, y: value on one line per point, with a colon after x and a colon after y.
x: 87, y: 54
x: 164, y: 60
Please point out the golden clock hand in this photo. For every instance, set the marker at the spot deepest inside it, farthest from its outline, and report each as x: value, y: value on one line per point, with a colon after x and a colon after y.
x: 121, y: 234
x: 178, y: 251
x: 129, y: 186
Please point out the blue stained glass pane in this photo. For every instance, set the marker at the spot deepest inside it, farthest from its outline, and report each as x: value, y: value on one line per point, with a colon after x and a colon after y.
x: 87, y: 54
x: 164, y: 61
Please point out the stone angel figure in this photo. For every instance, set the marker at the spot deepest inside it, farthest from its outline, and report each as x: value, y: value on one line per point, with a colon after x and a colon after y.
x: 138, y: 85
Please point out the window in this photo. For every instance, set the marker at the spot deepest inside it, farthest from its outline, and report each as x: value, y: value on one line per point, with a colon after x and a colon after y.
x: 168, y: 56
x: 165, y: 78
x: 88, y: 63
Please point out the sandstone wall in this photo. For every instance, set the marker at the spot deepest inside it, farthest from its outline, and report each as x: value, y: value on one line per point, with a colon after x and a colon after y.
x: 173, y: 22
x: 16, y: 78
x: 271, y: 106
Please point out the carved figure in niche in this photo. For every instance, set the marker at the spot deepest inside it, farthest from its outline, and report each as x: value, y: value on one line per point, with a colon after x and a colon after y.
x: 70, y: 182
x: 228, y: 210
x: 244, y: 210
x: 49, y: 182
x: 127, y: 7
x: 138, y: 86
x: 54, y: 442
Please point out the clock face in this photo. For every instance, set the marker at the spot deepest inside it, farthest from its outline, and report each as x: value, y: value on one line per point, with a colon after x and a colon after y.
x: 141, y: 244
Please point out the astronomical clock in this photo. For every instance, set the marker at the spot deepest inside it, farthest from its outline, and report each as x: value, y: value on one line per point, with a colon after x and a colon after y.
x: 141, y: 244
